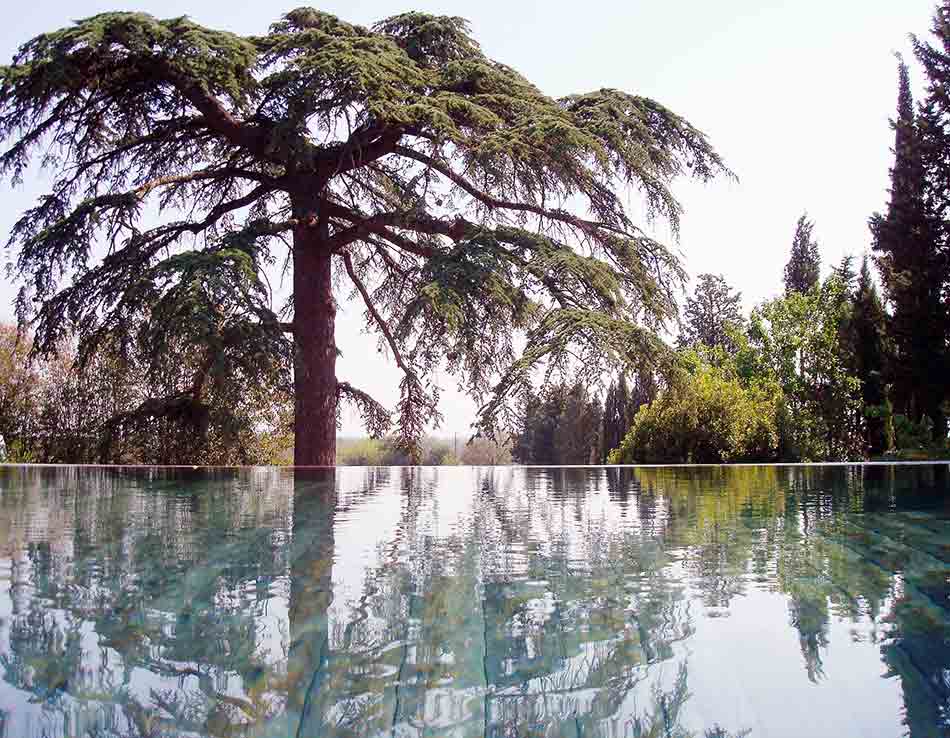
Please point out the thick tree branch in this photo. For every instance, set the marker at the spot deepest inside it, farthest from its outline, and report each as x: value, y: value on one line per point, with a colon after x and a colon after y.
x: 231, y: 205
x: 588, y: 227
x: 240, y: 133
x: 201, y: 175
x: 362, y: 148
x: 418, y: 222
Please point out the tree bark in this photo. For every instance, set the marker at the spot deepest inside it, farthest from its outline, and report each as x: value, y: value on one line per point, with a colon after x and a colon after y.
x: 315, y: 390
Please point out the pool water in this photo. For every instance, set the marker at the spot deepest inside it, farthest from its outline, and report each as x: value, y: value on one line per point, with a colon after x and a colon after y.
x: 668, y: 602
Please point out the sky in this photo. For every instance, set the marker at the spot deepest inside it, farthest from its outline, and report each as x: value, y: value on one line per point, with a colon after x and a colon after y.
x: 795, y: 96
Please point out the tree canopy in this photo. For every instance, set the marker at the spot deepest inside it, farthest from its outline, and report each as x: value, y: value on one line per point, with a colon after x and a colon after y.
x: 396, y: 163
x: 713, y: 314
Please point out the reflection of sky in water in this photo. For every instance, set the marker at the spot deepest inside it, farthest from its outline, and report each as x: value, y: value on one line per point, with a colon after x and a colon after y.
x: 457, y: 601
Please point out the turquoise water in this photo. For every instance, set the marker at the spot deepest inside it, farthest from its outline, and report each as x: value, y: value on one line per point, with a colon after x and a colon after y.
x: 767, y: 601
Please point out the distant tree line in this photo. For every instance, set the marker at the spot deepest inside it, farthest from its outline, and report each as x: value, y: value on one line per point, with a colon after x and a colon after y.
x: 434, y: 451
x: 61, y: 410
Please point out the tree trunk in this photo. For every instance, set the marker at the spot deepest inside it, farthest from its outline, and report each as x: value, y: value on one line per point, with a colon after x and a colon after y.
x: 314, y: 348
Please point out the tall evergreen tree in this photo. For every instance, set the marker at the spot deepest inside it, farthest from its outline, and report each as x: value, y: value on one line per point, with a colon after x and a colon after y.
x: 933, y: 122
x: 868, y: 352
x: 608, y: 432
x: 645, y: 389
x: 561, y: 425
x: 577, y: 430
x: 616, y: 418
x: 804, y: 265
x: 913, y: 272
x: 844, y: 272
x: 400, y: 163
x: 712, y: 314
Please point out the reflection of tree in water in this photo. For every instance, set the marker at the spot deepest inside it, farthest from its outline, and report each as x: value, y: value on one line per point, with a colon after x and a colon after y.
x: 916, y: 642
x: 490, y: 631
x: 178, y: 597
x: 529, y: 615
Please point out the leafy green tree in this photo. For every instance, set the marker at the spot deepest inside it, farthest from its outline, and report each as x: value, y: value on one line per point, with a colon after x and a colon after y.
x: 799, y: 337
x: 535, y: 438
x: 707, y: 414
x: 933, y: 124
x: 803, y: 269
x: 913, y: 266
x: 622, y: 403
x: 647, y: 381
x: 713, y: 315
x: 441, y: 186
x: 577, y: 432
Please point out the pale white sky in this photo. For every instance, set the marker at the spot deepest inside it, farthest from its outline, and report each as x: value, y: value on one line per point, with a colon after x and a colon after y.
x: 796, y: 97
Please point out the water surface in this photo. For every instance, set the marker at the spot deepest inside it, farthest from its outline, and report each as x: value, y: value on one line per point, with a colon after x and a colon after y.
x: 768, y: 601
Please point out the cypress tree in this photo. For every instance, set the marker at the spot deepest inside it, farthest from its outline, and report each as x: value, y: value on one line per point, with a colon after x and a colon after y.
x: 933, y: 122
x: 933, y: 125
x: 576, y: 429
x: 868, y: 352
x: 561, y: 425
x: 644, y: 391
x: 913, y: 272
x: 844, y: 271
x: 608, y: 427
x: 616, y: 420
x: 804, y: 265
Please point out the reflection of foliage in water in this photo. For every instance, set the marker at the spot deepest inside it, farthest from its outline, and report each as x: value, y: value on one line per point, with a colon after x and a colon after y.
x: 529, y: 617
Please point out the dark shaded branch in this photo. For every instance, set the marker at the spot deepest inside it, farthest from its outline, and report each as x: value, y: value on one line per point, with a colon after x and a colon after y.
x: 226, y: 207
x: 362, y: 148
x: 203, y: 174
x: 418, y: 222
x: 240, y: 133
x: 589, y: 227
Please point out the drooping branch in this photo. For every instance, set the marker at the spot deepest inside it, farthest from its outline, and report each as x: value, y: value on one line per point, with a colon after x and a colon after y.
x: 376, y: 418
x: 374, y: 313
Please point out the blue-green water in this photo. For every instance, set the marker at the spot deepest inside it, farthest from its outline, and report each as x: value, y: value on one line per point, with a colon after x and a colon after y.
x: 782, y: 601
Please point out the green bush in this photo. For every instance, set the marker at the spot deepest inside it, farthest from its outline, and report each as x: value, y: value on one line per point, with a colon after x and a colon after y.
x: 706, y: 415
